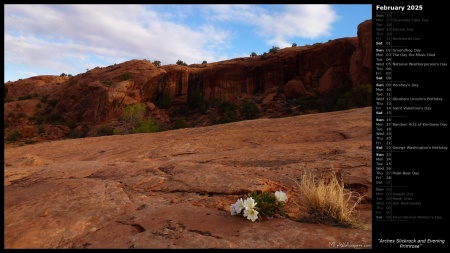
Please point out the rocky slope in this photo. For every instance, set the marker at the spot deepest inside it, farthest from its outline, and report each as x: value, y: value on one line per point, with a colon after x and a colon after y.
x: 173, y: 189
x: 286, y: 82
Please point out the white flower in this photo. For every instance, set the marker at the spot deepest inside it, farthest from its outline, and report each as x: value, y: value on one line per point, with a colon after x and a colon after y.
x: 249, y: 203
x: 238, y: 206
x: 281, y: 196
x: 251, y: 214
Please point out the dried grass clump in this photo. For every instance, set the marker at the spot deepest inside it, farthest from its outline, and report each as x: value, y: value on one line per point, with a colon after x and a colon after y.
x: 327, y: 201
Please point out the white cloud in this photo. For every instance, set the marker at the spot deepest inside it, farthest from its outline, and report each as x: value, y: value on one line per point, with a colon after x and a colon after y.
x: 46, y: 34
x: 281, y: 25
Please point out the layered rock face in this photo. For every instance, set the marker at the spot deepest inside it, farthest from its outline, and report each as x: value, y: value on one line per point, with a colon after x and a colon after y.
x: 99, y: 95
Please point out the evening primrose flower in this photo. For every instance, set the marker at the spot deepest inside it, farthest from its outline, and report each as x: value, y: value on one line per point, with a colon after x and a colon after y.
x: 239, y: 205
x: 249, y: 203
x: 251, y: 214
x: 281, y: 196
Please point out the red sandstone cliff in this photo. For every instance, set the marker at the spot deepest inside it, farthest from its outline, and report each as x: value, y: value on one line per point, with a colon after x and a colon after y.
x: 99, y: 95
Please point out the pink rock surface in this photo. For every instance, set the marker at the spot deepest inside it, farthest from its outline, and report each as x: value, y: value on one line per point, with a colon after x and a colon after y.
x: 173, y: 189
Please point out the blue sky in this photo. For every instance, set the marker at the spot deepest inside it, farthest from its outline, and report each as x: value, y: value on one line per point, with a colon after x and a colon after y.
x: 71, y: 38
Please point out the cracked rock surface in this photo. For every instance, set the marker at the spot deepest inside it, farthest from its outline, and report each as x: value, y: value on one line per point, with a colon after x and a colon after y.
x: 173, y: 189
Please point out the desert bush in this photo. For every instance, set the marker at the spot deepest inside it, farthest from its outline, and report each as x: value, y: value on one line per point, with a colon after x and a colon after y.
x: 327, y: 201
x: 228, y: 116
x: 179, y: 123
x: 71, y: 124
x: 157, y: 63
x: 274, y: 49
x: 253, y: 54
x: 105, y: 130
x: 164, y: 101
x: 180, y: 62
x: 362, y: 95
x: 44, y: 99
x: 107, y: 83
x: 126, y: 76
x: 195, y: 100
x: 75, y: 133
x: 55, y: 118
x: 294, y: 44
x: 41, y: 129
x: 249, y: 110
x: 28, y: 96
x: 30, y: 141
x: 147, y: 126
x: 52, y: 102
x: 12, y: 136
x: 133, y: 113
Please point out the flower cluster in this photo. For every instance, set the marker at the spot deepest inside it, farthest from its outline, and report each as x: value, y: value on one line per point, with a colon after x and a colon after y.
x: 260, y: 205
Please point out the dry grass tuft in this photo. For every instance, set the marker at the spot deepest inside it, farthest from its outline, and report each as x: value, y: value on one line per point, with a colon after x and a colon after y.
x: 326, y: 201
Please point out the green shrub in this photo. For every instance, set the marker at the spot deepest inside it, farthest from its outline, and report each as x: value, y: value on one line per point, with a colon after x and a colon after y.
x: 105, y: 130
x: 147, y: 126
x: 52, y: 102
x: 44, y: 99
x: 30, y: 141
x: 39, y: 120
x: 133, y: 113
x: 180, y: 62
x: 126, y: 76
x: 71, y: 124
x: 228, y: 116
x: 41, y: 129
x: 249, y: 110
x: 274, y: 49
x: 195, y: 99
x: 157, y: 63
x: 12, y: 136
x: 164, y: 100
x: 25, y: 97
x: 75, y: 133
x: 55, y: 118
x: 179, y: 123
x: 362, y: 95
x: 107, y: 83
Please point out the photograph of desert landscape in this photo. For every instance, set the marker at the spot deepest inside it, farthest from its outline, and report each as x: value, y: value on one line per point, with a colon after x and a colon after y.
x: 135, y: 127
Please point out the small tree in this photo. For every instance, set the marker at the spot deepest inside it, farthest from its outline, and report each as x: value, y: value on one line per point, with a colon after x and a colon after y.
x: 134, y: 113
x: 204, y: 62
x: 147, y: 126
x: 157, y: 63
x: 180, y: 62
x: 126, y: 76
x: 253, y: 54
x: 249, y: 110
x: 274, y: 49
x: 164, y: 101
x: 294, y: 44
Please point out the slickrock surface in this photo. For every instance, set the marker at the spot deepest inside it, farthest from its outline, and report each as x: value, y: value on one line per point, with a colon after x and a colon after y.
x: 173, y: 189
